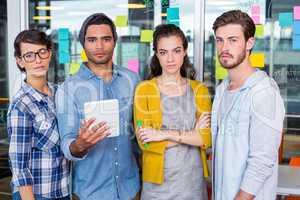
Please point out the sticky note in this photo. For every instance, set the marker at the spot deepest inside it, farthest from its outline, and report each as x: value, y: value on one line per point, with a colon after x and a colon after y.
x: 259, y: 31
x: 74, y: 67
x: 83, y: 56
x: 174, y: 22
x: 285, y: 19
x: 133, y: 65
x: 257, y: 60
x: 63, y: 57
x: 121, y: 21
x: 220, y: 72
x: 256, y: 19
x: 146, y: 36
x: 255, y: 10
x: 64, y: 45
x: 296, y: 28
x: 297, y: 13
x: 173, y: 14
x: 63, y: 34
x: 296, y: 42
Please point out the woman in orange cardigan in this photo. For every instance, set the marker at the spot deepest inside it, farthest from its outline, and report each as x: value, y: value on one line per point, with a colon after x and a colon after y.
x: 171, y: 114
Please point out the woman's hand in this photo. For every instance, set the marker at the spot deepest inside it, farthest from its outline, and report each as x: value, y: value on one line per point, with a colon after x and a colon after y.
x: 203, y: 121
x: 150, y: 135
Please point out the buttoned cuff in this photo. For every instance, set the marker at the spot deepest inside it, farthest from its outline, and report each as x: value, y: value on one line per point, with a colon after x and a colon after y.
x: 22, y: 177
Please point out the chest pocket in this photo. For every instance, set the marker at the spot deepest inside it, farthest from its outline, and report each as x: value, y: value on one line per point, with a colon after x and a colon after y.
x: 46, y: 135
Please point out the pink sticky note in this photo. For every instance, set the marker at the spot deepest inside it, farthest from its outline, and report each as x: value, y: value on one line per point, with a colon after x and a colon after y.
x: 256, y: 19
x: 255, y: 10
x: 297, y: 13
x: 133, y: 65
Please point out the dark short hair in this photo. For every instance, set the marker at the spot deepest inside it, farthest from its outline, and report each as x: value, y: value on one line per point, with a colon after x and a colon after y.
x: 236, y: 17
x: 167, y: 30
x: 97, y: 19
x: 30, y: 36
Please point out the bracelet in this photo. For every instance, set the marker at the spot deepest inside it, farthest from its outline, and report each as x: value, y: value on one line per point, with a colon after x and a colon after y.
x: 179, y: 134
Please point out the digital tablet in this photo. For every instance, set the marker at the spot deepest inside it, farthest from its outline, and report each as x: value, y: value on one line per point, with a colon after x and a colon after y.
x: 106, y: 111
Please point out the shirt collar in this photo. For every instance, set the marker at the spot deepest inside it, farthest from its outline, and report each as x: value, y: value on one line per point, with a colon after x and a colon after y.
x: 86, y: 73
x: 38, y: 96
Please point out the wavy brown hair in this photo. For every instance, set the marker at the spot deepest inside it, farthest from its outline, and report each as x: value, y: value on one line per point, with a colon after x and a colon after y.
x: 167, y: 30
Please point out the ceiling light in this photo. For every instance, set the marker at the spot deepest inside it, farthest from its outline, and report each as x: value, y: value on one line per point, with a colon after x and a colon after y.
x: 42, y: 17
x: 132, y: 6
x: 49, y: 8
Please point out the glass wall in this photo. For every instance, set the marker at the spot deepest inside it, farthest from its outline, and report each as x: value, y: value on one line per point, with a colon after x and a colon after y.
x: 4, y: 169
x: 276, y: 49
x: 135, y: 21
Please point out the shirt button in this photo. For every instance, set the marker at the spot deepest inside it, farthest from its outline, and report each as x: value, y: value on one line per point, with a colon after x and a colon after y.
x: 116, y: 163
x: 117, y: 177
x: 116, y: 148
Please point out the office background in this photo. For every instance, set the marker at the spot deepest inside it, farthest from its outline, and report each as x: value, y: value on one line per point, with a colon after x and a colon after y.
x: 277, y: 49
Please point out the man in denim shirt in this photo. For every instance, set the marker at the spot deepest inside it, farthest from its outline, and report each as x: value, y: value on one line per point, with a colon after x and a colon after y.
x: 104, y: 168
x: 247, y: 117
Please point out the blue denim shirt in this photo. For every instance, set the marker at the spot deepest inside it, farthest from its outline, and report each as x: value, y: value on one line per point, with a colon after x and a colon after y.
x: 109, y: 170
x: 246, y: 139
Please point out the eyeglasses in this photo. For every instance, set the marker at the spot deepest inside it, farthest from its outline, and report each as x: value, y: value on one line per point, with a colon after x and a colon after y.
x: 30, y: 57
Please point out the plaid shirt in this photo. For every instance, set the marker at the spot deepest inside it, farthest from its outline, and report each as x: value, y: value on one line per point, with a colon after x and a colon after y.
x: 34, y: 151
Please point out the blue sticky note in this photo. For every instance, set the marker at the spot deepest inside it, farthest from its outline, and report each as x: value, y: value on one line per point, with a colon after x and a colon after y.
x: 296, y: 28
x: 63, y: 45
x: 286, y: 19
x: 296, y: 42
x: 63, y: 57
x: 172, y: 14
x: 63, y: 34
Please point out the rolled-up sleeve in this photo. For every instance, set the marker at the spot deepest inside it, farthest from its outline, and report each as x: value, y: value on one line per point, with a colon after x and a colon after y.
x: 68, y: 121
x: 19, y: 128
x: 267, y: 115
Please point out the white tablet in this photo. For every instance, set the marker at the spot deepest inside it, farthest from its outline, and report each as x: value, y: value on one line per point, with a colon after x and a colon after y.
x: 104, y: 110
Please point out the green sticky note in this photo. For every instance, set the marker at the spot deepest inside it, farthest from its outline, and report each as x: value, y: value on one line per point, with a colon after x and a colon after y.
x: 259, y: 30
x: 146, y: 36
x: 220, y: 72
x: 74, y: 67
x: 121, y: 21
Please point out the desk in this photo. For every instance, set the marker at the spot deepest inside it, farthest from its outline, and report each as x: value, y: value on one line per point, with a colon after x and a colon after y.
x: 288, y: 180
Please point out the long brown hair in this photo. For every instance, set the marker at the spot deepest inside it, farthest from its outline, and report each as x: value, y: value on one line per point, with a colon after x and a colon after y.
x: 167, y: 30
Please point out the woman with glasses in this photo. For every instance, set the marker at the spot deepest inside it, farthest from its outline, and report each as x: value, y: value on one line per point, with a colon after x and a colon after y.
x: 39, y: 170
x: 171, y: 114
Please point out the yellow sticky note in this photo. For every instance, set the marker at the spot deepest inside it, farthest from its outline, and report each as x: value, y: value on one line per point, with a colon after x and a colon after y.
x: 83, y: 56
x: 220, y: 72
x: 146, y: 36
x: 257, y: 60
x: 259, y: 30
x: 121, y: 21
x: 74, y: 67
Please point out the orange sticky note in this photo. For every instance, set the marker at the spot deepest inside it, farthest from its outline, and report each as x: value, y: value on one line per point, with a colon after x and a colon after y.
x: 257, y: 60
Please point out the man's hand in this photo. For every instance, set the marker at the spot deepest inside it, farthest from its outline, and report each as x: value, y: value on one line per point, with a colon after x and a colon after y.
x: 243, y: 196
x: 88, y: 136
